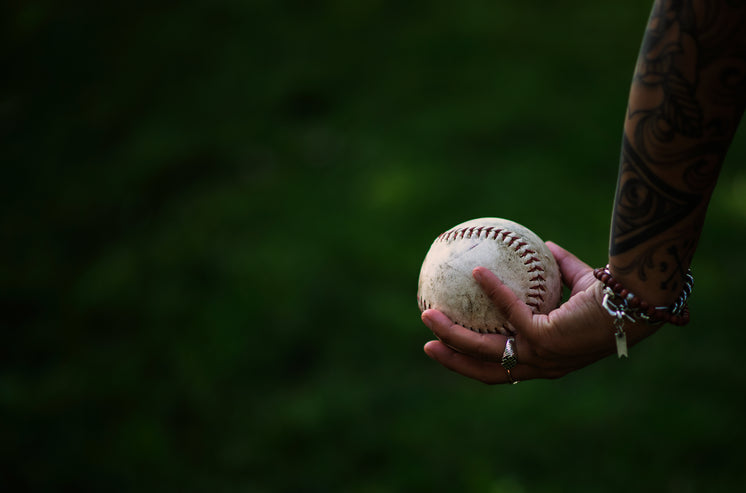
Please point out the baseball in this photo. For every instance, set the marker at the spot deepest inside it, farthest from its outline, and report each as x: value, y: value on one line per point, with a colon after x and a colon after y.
x: 518, y: 257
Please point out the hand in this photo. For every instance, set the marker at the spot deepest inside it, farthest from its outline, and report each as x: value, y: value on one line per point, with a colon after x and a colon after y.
x: 574, y: 335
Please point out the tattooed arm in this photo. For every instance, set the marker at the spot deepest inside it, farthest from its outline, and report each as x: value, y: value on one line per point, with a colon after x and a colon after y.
x: 686, y: 100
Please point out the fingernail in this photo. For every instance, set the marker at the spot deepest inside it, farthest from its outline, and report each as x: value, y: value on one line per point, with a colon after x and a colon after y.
x: 427, y: 321
x: 477, y: 273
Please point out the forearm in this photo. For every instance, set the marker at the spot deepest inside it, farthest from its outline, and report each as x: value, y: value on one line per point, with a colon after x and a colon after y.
x: 685, y: 103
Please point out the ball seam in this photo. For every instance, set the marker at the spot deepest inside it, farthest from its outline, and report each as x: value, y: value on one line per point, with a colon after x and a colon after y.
x: 518, y: 244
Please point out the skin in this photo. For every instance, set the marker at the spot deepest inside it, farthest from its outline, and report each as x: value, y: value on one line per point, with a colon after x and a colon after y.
x: 686, y: 99
x: 574, y: 335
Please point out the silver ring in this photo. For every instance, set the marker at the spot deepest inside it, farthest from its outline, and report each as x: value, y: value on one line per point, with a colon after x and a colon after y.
x: 509, y: 359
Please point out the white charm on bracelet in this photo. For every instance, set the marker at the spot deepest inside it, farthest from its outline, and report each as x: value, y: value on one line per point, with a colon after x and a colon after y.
x: 619, y: 314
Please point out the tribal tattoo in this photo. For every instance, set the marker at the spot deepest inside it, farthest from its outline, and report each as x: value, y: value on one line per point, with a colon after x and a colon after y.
x: 687, y: 97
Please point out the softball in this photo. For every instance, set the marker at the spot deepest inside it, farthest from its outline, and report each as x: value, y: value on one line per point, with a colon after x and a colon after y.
x: 519, y: 258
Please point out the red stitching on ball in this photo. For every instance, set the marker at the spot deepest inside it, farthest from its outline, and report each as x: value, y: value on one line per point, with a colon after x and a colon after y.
x: 530, y: 257
x: 531, y: 260
x: 535, y: 305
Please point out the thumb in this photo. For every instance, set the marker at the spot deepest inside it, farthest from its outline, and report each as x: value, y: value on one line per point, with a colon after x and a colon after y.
x: 517, y: 313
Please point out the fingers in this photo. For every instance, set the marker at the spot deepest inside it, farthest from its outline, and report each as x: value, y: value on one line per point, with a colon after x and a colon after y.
x: 484, y: 371
x: 517, y: 313
x: 488, y: 372
x: 479, y: 356
x: 480, y: 346
x: 475, y: 355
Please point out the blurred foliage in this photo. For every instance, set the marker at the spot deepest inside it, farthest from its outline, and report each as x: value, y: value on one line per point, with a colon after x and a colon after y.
x: 213, y: 215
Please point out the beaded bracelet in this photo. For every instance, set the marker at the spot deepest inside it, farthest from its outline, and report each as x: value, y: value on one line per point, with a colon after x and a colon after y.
x: 621, y: 304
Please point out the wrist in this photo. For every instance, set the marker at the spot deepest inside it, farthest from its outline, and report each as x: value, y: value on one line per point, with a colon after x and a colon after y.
x: 646, y: 287
x: 620, y: 299
x: 626, y: 309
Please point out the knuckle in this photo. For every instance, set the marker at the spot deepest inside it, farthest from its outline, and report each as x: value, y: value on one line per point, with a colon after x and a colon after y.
x: 543, y: 354
x: 511, y: 308
x: 494, y: 292
x: 484, y: 350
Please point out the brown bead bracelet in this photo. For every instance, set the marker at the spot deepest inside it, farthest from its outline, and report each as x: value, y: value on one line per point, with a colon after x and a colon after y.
x: 631, y: 306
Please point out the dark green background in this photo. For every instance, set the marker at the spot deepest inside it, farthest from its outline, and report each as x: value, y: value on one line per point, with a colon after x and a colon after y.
x: 213, y: 218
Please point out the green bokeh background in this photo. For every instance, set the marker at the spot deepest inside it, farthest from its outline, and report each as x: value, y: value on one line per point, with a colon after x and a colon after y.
x: 213, y: 218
